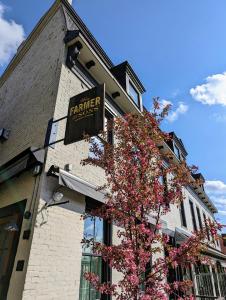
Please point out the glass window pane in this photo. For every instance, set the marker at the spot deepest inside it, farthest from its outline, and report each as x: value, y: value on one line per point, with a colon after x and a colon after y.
x: 193, y: 215
x: 84, y: 284
x: 97, y: 141
x: 89, y: 264
x: 133, y: 93
x: 89, y: 227
x: 93, y: 229
x: 96, y: 265
x: 98, y: 230
x: 177, y: 151
x: 183, y: 217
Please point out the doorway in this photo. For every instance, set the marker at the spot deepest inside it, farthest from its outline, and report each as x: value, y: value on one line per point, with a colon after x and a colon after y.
x: 11, y: 218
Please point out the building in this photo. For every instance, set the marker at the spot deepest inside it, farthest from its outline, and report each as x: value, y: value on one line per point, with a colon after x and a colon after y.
x: 40, y: 248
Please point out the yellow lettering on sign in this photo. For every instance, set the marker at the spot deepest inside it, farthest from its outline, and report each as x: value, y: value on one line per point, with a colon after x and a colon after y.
x: 81, y: 107
x: 92, y: 102
x: 86, y: 107
x: 97, y: 101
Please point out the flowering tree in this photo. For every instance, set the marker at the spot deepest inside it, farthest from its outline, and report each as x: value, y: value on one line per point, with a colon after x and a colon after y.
x: 136, y: 201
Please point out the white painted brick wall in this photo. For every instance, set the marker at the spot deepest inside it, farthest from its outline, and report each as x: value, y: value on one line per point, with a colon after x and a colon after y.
x: 28, y: 96
x: 27, y: 102
x: 55, y: 258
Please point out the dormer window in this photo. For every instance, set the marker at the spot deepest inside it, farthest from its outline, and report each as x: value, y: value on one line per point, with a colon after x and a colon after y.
x: 133, y: 93
x: 130, y: 82
x: 177, y: 146
x: 182, y: 157
x: 177, y: 152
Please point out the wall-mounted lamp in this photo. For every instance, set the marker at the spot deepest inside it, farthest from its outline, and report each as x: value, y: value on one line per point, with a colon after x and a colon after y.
x: 73, y: 53
x: 58, y: 196
x: 115, y: 95
x: 90, y: 64
x: 56, y: 199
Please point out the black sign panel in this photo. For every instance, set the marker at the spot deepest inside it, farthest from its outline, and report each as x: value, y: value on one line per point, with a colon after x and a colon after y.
x: 85, y: 115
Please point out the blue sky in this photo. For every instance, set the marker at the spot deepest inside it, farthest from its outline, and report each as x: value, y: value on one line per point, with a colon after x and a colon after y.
x: 177, y: 48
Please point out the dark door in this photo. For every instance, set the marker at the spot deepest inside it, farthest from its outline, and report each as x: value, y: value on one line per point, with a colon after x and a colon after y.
x: 10, y: 223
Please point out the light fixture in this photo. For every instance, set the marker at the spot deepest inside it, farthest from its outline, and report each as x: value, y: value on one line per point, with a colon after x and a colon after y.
x: 58, y: 196
x: 56, y: 199
x: 90, y: 64
x: 115, y: 95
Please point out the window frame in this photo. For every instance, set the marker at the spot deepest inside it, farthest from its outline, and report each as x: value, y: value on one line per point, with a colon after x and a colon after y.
x: 100, y: 139
x: 163, y: 181
x: 106, y: 274
x: 199, y: 217
x: 207, y: 229
x: 177, y: 151
x: 131, y: 84
x: 110, y: 117
x: 193, y: 215
x: 182, y: 214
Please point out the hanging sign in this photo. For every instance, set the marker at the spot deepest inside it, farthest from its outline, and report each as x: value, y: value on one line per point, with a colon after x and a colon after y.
x: 85, y: 115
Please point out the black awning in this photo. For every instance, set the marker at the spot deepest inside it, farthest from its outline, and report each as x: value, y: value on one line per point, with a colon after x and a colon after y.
x: 27, y: 159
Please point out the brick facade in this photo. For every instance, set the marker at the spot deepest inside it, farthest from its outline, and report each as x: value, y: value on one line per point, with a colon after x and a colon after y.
x: 34, y: 89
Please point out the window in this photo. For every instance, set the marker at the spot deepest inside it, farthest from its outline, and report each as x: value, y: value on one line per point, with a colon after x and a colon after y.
x: 163, y: 181
x: 108, y: 118
x: 183, y: 157
x: 182, y: 213
x: 199, y: 217
x: 95, y: 229
x: 205, y: 222
x: 99, y: 140
x: 134, y: 94
x: 217, y: 241
x: 193, y: 215
x: 177, y: 151
x: 213, y: 239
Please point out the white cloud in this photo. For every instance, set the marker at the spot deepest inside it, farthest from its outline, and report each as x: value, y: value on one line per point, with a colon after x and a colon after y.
x: 222, y: 212
x: 219, y: 201
x: 174, y: 114
x: 215, y: 187
x: 11, y: 36
x: 164, y: 102
x: 212, y: 92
